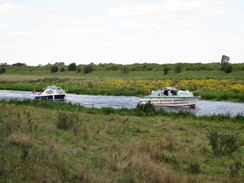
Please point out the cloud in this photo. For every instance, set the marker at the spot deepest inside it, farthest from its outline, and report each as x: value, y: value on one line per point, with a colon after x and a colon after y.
x: 8, y: 9
x: 133, y: 30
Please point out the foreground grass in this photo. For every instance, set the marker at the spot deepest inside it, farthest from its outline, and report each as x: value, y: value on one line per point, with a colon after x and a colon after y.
x: 110, y: 146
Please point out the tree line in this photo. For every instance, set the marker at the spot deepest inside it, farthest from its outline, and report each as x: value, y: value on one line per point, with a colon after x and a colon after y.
x: 224, y: 65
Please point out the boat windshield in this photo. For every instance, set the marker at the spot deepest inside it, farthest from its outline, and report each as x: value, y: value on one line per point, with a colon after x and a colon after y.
x: 168, y: 88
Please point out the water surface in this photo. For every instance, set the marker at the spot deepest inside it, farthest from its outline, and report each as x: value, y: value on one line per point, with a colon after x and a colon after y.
x: 203, y: 107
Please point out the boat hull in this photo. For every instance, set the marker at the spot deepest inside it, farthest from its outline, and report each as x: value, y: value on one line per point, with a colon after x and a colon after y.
x: 51, y: 97
x: 171, y: 101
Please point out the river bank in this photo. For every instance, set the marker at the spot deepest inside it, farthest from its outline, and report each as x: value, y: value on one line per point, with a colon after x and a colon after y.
x: 60, y: 142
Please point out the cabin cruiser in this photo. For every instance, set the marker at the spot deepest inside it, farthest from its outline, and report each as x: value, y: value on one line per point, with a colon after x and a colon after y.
x: 52, y: 93
x: 170, y: 97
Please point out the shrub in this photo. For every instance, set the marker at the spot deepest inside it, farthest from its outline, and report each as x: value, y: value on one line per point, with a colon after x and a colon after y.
x: 147, y: 109
x: 72, y: 67
x: 88, y: 68
x: 223, y: 143
x: 234, y: 168
x: 178, y: 69
x: 78, y: 70
x: 166, y: 70
x: 228, y: 68
x: 54, y: 68
x: 125, y: 69
x: 62, y: 69
x: 2, y: 70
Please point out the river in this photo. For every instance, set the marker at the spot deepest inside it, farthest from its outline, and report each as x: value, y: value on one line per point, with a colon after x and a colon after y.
x: 203, y: 107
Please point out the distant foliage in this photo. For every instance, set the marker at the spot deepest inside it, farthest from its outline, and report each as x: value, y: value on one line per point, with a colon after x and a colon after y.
x: 88, y: 68
x: 125, y: 69
x: 72, y: 67
x: 225, y: 65
x: 178, y: 68
x: 62, y: 69
x: 2, y: 70
x: 227, y: 68
x: 78, y: 70
x: 225, y: 59
x: 19, y: 64
x: 54, y: 68
x: 166, y: 70
x: 59, y: 63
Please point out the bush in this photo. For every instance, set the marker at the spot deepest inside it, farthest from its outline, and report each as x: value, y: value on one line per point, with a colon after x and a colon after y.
x: 78, y: 70
x: 125, y: 69
x: 228, y: 68
x: 54, y: 68
x: 166, y: 70
x: 2, y: 70
x: 234, y: 168
x: 147, y: 109
x: 88, y: 68
x: 72, y: 67
x: 223, y: 143
x: 178, y: 69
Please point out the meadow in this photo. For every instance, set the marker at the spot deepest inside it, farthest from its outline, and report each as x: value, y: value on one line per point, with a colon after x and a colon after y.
x: 42, y: 141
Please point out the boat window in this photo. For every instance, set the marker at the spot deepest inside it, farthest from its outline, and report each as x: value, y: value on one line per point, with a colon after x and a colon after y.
x: 49, y: 92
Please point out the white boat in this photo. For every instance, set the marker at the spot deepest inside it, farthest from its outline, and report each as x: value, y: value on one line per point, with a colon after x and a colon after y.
x: 171, y: 97
x: 52, y: 93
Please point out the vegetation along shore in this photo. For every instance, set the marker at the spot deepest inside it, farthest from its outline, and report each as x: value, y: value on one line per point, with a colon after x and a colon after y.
x: 209, y: 80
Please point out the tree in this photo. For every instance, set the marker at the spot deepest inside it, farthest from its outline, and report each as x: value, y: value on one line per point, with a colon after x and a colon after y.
x: 225, y: 65
x: 72, y: 67
x: 54, y: 68
x: 224, y: 62
x: 19, y: 64
x: 225, y: 59
x: 59, y: 63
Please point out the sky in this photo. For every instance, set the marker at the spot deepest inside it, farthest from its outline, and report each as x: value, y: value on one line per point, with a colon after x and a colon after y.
x: 121, y: 31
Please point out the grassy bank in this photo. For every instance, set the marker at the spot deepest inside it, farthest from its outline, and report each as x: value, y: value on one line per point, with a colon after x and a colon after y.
x: 58, y: 142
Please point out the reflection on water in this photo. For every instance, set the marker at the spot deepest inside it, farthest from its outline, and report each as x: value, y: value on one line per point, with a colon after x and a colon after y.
x: 203, y: 107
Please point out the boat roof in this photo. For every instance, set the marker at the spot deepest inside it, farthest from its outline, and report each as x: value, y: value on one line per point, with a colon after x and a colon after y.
x: 53, y: 87
x: 168, y: 88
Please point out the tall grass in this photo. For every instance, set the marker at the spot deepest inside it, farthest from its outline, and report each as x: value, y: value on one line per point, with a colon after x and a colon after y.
x: 102, y: 145
x: 140, y: 110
